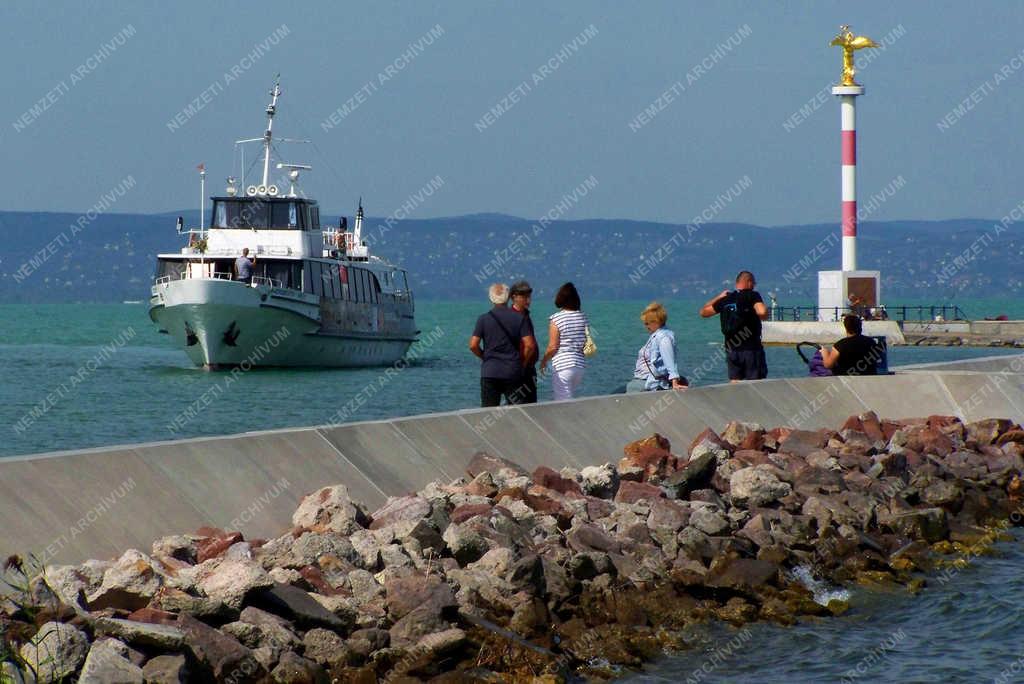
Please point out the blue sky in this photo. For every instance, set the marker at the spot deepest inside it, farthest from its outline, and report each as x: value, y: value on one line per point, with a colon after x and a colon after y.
x: 108, y: 118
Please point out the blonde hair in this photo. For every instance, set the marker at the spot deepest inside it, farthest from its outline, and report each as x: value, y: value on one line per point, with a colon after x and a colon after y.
x: 654, y: 312
x: 498, y: 292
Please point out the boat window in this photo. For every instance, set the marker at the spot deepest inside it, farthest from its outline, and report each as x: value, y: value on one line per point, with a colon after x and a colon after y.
x: 374, y: 287
x: 174, y: 269
x: 293, y: 218
x: 316, y: 218
x: 281, y: 216
x: 241, y: 214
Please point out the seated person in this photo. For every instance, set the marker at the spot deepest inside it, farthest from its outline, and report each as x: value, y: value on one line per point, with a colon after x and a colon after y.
x: 855, y: 354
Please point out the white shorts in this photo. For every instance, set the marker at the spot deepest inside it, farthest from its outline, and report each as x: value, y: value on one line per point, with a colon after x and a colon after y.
x: 565, y: 383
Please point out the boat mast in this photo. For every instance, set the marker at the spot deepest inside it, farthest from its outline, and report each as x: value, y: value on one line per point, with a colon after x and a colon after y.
x: 271, y: 108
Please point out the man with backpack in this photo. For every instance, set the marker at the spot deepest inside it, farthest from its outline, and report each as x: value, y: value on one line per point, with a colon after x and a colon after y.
x: 741, y: 312
x: 507, y: 345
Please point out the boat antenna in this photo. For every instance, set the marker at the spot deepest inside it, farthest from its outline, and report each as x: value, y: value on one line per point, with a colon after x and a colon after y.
x: 271, y: 109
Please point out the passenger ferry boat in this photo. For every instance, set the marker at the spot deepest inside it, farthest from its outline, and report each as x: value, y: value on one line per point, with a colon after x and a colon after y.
x: 317, y: 297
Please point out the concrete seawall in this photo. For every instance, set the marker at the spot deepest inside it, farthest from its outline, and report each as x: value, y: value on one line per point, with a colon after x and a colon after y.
x: 68, y: 506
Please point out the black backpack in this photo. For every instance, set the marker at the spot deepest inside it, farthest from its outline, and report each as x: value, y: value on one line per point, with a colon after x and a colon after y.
x: 736, y: 314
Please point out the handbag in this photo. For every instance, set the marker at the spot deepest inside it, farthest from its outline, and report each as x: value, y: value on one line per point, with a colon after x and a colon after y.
x: 589, y: 347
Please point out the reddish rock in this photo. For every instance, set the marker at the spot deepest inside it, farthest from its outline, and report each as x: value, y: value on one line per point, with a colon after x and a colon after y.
x: 773, y: 437
x: 406, y: 594
x: 216, y: 544
x: 668, y: 514
x: 466, y: 511
x: 872, y: 427
x: 631, y: 492
x: 889, y: 428
x: 711, y: 436
x: 741, y: 574
x: 552, y: 479
x: 753, y: 441
x: 649, y: 461
x: 853, y: 423
x: 934, y: 442
x: 1016, y: 436
x: 483, y: 462
x: 986, y: 431
x: 655, y: 440
x: 802, y: 442
x: 398, y: 509
x: 599, y: 508
x: 548, y: 502
x: 315, y: 578
x: 589, y: 537
x: 153, y: 616
x: 482, y: 485
x: 751, y: 457
x: 221, y: 654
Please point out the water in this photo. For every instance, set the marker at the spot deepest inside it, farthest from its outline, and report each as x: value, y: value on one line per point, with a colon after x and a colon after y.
x: 52, y: 359
x: 966, y: 630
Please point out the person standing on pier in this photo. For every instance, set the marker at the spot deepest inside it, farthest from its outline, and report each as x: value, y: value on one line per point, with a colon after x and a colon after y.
x: 567, y: 336
x: 521, y: 295
x: 741, y: 312
x: 503, y: 340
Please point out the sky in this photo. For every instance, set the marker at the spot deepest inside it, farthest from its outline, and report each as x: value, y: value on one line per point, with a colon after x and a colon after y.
x: 513, y: 105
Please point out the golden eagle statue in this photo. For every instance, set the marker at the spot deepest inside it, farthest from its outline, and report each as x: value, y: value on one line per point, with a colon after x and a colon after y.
x: 850, y: 43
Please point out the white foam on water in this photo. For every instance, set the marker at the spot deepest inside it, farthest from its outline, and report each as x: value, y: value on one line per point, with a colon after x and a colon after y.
x: 823, y: 593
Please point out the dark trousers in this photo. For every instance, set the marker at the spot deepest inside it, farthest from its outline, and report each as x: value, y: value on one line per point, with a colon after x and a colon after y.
x: 493, y: 389
x: 530, y: 386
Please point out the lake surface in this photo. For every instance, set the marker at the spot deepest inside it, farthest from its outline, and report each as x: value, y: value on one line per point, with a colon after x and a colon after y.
x: 53, y: 358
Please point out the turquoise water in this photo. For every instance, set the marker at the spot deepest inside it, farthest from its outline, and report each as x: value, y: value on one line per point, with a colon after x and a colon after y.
x: 100, y: 374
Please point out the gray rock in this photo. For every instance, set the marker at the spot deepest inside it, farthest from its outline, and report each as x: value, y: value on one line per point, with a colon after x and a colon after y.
x: 221, y: 654
x: 331, y: 507
x: 163, y: 637
x: 466, y: 543
x: 179, y: 546
x: 709, y: 521
x: 166, y: 669
x: 248, y: 634
x: 55, y: 652
x: 757, y: 486
x: 297, y: 605
x: 107, y: 663
x: 497, y: 561
x: 231, y: 580
x: 129, y: 583
x: 294, y: 669
x: 326, y: 648
x: 600, y: 481
x: 11, y: 674
x: 273, y: 630
x: 697, y: 472
x: 365, y: 587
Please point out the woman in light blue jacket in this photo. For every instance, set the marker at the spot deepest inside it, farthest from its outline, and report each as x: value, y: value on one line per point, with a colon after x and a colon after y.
x: 656, y: 367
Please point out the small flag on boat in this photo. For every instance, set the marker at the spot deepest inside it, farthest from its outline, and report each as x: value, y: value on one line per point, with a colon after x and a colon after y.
x: 202, y: 168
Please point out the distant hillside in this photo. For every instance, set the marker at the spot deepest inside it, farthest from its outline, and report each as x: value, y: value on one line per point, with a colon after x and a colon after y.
x: 111, y: 259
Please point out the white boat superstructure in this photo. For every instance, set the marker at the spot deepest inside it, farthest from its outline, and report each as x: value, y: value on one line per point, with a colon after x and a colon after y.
x: 314, y: 296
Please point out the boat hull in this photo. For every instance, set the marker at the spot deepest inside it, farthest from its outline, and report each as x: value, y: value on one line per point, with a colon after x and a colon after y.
x: 225, y: 324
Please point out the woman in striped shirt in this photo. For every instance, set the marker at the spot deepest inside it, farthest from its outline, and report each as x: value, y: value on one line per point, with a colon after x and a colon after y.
x: 567, y: 333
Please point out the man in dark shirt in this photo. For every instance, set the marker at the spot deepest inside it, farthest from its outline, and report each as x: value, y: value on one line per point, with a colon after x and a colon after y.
x: 855, y: 354
x: 521, y: 295
x: 508, y: 341
x: 741, y: 311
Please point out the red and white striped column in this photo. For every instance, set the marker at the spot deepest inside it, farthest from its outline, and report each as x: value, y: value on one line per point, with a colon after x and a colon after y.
x: 848, y: 109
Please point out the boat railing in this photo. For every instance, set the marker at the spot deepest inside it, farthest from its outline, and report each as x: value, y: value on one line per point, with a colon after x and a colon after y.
x: 263, y: 280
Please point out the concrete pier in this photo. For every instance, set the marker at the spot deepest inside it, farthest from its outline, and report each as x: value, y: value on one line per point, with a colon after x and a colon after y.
x: 68, y: 506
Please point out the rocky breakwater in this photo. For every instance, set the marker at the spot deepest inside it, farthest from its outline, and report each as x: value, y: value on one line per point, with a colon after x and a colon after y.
x: 506, y: 575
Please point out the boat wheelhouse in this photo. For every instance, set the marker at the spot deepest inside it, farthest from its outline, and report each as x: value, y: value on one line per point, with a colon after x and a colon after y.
x: 313, y: 295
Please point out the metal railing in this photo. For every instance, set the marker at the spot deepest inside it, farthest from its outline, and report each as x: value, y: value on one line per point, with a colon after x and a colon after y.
x: 944, y: 312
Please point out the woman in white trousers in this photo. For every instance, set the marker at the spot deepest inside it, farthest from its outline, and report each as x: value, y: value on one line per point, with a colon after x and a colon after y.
x: 567, y: 333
